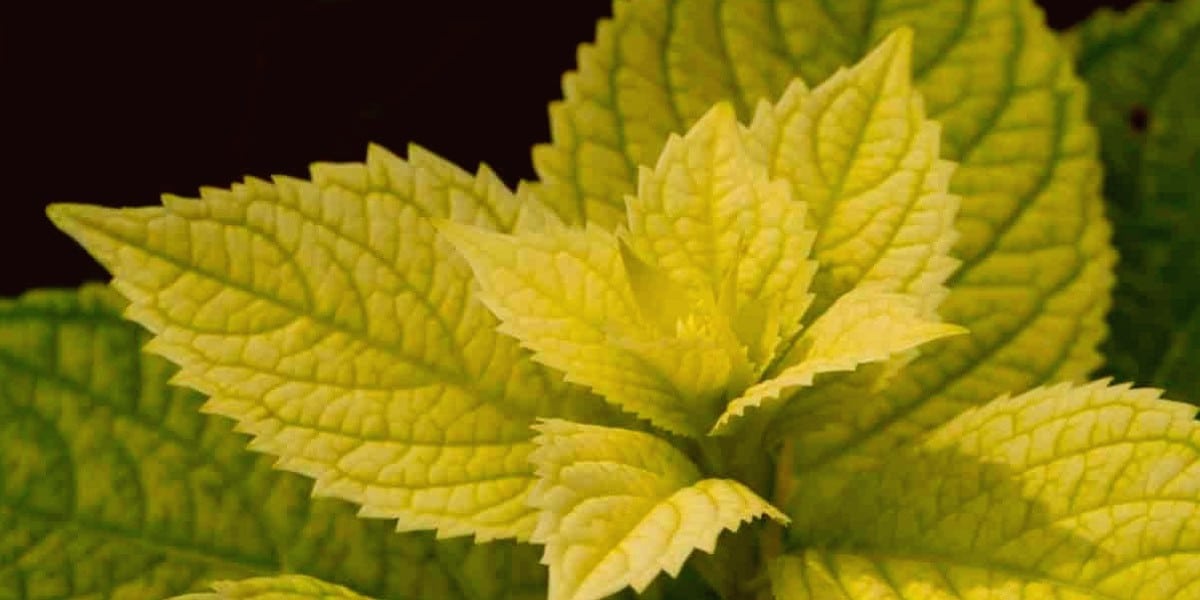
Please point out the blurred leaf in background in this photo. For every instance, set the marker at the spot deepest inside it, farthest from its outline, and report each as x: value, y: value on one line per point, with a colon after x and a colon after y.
x: 1143, y: 70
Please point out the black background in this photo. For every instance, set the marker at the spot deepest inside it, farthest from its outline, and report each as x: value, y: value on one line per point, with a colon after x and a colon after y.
x: 114, y: 105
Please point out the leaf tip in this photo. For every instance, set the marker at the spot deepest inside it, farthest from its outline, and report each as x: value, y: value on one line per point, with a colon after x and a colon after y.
x: 66, y: 215
x: 901, y: 38
x: 897, y: 44
x: 952, y: 330
x: 721, y: 117
x: 86, y: 224
x: 893, y: 55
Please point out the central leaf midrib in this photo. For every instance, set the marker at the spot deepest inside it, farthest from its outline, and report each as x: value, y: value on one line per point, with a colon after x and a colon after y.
x: 835, y: 192
x: 1024, y: 201
x: 623, y: 534
x: 450, y: 378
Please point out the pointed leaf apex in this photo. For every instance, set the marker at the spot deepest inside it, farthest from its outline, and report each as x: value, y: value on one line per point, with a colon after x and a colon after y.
x: 891, y: 60
x: 80, y: 222
x: 64, y: 215
x: 378, y: 153
x: 722, y: 116
x: 722, y: 111
x: 897, y: 45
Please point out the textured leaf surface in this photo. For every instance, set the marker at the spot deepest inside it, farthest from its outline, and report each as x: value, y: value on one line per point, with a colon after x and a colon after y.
x: 284, y: 587
x: 1062, y: 492
x: 1144, y: 73
x: 1036, y: 264
x: 863, y: 326
x: 331, y: 322
x: 566, y: 294
x: 620, y: 506
x: 859, y: 153
x: 708, y: 212
x: 115, y: 487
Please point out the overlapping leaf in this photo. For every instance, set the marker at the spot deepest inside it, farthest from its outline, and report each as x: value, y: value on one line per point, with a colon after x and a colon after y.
x: 333, y: 324
x: 565, y: 294
x: 1143, y: 69
x: 619, y: 507
x: 671, y: 316
x: 708, y: 212
x: 860, y: 154
x: 115, y: 487
x: 1062, y: 492
x: 330, y: 321
x: 863, y: 326
x: 1036, y: 264
x: 284, y: 587
x: 710, y: 291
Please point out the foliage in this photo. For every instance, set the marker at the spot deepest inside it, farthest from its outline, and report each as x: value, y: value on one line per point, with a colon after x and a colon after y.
x: 1142, y: 70
x: 813, y: 288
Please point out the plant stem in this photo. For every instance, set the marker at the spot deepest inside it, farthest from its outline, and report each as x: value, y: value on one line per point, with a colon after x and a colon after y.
x: 772, y: 538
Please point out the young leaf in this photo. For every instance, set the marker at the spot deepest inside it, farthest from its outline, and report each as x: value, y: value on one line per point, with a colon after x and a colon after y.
x: 859, y: 153
x: 863, y: 326
x: 1062, y: 492
x: 115, y: 487
x: 1143, y: 69
x: 619, y: 506
x: 708, y: 211
x: 330, y: 321
x: 661, y: 301
x: 284, y: 587
x: 1036, y: 263
x: 566, y: 294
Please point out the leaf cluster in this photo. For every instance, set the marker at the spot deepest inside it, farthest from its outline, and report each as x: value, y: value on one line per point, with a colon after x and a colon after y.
x: 815, y: 289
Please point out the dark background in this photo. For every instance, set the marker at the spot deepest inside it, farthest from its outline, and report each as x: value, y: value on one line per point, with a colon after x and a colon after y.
x: 111, y: 105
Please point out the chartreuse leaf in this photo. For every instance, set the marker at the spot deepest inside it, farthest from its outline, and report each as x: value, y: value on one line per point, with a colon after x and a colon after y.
x: 860, y: 154
x: 285, y: 587
x: 708, y: 215
x: 863, y: 326
x: 686, y: 307
x: 566, y: 294
x: 330, y: 321
x: 619, y: 506
x: 1062, y: 492
x: 1035, y: 261
x: 1143, y: 68
x: 662, y: 301
x: 114, y: 486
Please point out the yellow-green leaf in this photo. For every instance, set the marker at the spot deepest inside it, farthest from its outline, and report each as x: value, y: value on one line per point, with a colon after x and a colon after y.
x: 707, y: 211
x: 620, y: 506
x: 1061, y: 492
x: 1035, y: 259
x: 115, y: 487
x: 284, y: 587
x: 331, y: 322
x: 858, y: 151
x: 863, y: 326
x: 661, y: 301
x: 566, y: 294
